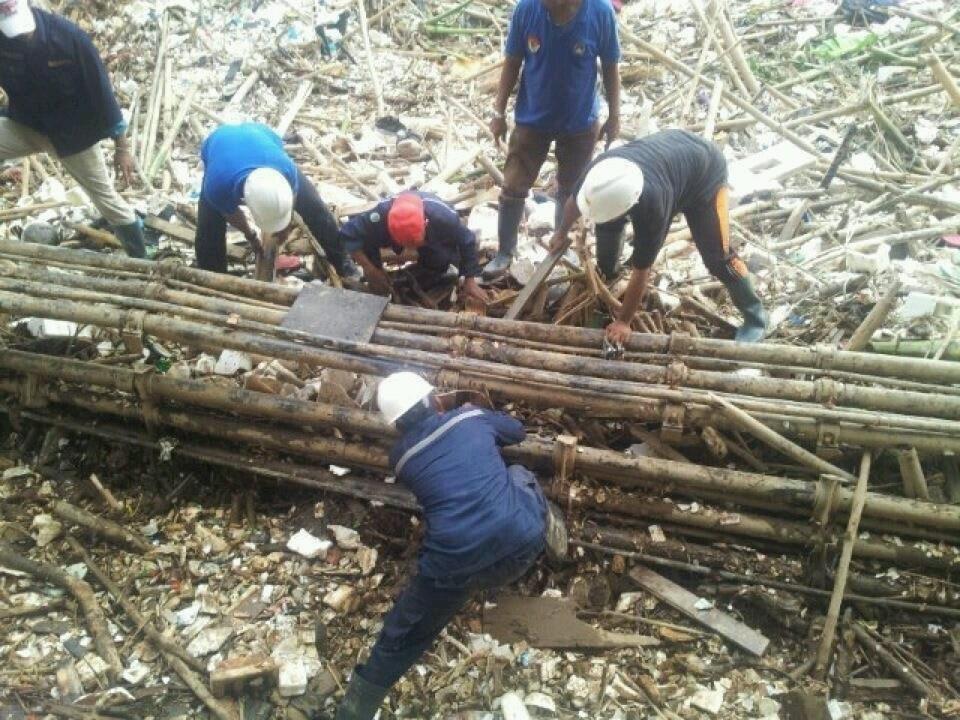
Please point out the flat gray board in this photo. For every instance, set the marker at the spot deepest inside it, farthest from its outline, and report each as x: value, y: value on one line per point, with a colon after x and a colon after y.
x: 335, y: 313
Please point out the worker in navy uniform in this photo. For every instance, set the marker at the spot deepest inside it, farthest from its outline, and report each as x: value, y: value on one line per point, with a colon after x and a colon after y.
x: 60, y: 101
x: 648, y: 182
x: 420, y: 222
x: 486, y: 524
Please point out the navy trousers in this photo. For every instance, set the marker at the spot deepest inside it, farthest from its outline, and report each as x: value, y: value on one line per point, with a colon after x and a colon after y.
x: 427, y: 604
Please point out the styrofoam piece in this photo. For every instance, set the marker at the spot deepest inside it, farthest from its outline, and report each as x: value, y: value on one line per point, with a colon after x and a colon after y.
x: 231, y: 362
x: 307, y: 545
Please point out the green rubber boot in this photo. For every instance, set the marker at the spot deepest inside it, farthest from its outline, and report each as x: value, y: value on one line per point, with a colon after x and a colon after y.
x: 755, y: 319
x: 132, y: 238
x: 609, y: 248
x: 508, y: 227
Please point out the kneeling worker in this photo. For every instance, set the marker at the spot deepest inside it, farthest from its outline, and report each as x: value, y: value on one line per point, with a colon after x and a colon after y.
x: 245, y: 164
x: 416, y: 221
x: 486, y: 524
x: 649, y: 181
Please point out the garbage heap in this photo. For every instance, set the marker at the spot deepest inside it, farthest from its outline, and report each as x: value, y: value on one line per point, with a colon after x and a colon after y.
x: 768, y: 473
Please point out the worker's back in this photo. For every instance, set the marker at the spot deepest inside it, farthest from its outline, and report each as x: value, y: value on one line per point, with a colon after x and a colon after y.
x: 476, y: 511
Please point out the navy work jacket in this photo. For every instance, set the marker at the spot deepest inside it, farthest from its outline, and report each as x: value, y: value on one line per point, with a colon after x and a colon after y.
x: 475, y: 513
x: 57, y: 85
x: 448, y: 241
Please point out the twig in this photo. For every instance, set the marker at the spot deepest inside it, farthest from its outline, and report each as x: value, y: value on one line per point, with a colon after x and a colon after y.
x: 371, y: 67
x: 101, y: 526
x: 874, y: 319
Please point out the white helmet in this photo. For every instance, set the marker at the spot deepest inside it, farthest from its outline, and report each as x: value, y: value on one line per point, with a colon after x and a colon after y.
x: 400, y: 392
x: 270, y: 199
x: 612, y: 186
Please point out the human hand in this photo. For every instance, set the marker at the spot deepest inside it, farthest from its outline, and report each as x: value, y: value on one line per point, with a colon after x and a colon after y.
x: 557, y: 242
x: 618, y: 332
x: 379, y: 282
x: 498, y: 126
x: 473, y: 291
x: 611, y: 130
x: 124, y: 164
x: 253, y: 240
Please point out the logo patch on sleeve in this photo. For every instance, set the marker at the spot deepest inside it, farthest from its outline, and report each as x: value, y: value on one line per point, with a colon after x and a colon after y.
x: 533, y: 43
x: 579, y: 49
x: 374, y: 217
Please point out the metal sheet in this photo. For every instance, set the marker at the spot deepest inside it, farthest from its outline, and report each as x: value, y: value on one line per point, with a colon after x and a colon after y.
x: 335, y: 313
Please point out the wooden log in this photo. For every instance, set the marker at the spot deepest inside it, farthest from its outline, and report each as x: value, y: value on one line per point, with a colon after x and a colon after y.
x: 914, y: 482
x: 843, y: 566
x: 92, y: 612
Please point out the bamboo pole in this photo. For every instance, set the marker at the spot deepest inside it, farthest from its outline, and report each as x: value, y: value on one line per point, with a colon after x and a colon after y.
x: 373, y: 457
x: 843, y: 566
x: 874, y: 319
x: 745, y: 422
x: 943, y: 76
x: 603, y: 464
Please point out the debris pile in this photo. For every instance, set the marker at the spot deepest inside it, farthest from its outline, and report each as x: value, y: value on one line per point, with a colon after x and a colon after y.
x: 197, y: 510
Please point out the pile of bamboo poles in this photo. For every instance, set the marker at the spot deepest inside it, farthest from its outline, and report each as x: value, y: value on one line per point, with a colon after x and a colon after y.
x: 861, y: 399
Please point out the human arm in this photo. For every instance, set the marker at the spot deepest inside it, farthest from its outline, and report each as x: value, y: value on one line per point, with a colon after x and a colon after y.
x: 97, y: 87
x: 238, y: 219
x: 509, y: 74
x: 378, y: 279
x: 509, y: 430
x: 611, y: 87
x: 619, y: 330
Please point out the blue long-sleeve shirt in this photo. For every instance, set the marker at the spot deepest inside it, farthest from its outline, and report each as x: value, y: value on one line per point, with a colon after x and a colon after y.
x: 448, y: 241
x: 475, y: 514
x: 57, y: 84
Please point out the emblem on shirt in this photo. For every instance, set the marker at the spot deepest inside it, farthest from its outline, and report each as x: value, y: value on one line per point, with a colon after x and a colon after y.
x: 374, y: 217
x: 533, y: 43
x: 579, y: 49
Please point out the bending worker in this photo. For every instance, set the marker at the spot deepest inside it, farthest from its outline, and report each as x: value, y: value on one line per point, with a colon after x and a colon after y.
x: 245, y: 164
x: 557, y: 44
x: 60, y: 102
x: 649, y: 181
x: 414, y: 221
x: 486, y: 524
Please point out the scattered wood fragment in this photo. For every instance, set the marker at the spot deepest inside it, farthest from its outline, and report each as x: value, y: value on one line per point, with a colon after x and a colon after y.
x: 687, y: 603
x: 81, y: 591
x: 101, y: 526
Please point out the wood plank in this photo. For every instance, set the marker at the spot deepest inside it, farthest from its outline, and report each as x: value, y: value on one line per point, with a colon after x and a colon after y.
x: 178, y: 232
x: 685, y: 601
x: 539, y: 277
x: 545, y: 622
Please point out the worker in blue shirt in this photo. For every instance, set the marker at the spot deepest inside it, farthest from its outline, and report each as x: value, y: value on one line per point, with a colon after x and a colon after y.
x: 417, y: 221
x: 557, y: 44
x: 245, y: 164
x: 486, y: 524
x: 60, y: 101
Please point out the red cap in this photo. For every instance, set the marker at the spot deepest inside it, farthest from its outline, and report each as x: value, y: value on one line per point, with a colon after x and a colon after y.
x: 406, y: 221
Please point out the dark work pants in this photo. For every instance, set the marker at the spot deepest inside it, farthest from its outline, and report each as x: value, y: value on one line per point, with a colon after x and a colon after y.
x: 709, y: 225
x: 211, y: 239
x: 426, y: 605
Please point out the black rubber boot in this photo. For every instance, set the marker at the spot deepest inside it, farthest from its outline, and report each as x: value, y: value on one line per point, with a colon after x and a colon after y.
x: 361, y: 701
x: 745, y: 297
x: 508, y: 227
x: 609, y: 247
x: 562, y: 198
x: 132, y: 238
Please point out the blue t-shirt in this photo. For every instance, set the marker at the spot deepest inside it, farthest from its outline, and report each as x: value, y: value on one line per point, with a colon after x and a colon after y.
x: 558, y: 86
x: 231, y: 152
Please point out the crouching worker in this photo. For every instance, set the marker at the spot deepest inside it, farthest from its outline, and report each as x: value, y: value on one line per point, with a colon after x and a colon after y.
x: 420, y: 222
x: 486, y: 524
x: 245, y: 164
x: 649, y: 181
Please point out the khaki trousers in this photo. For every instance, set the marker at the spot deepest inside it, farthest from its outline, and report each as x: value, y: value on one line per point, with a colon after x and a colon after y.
x: 87, y: 167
